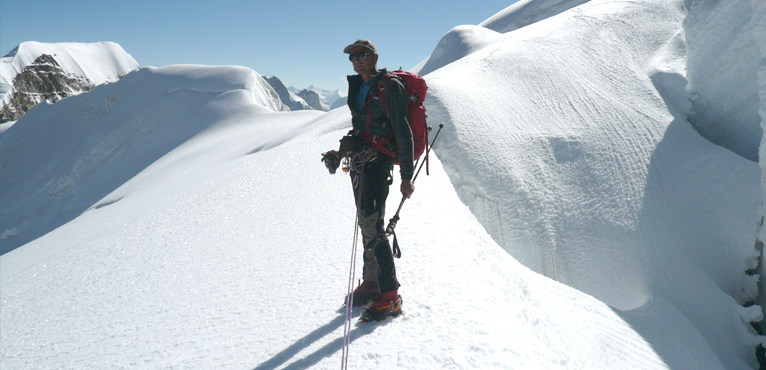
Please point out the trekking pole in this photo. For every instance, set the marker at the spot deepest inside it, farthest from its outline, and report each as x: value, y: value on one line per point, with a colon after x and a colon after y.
x: 392, y: 222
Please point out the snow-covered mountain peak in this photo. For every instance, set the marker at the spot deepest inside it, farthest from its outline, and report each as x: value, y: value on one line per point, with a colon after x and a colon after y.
x: 99, y: 62
x: 25, y: 81
x: 12, y: 53
x: 318, y: 98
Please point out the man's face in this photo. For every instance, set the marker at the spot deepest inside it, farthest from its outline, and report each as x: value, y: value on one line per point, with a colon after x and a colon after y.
x: 366, y: 65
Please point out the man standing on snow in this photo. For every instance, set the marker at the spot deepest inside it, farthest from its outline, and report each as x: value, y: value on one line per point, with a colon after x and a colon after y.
x: 372, y: 120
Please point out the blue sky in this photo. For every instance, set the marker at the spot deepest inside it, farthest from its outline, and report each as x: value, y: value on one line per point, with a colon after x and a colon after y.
x: 301, y: 42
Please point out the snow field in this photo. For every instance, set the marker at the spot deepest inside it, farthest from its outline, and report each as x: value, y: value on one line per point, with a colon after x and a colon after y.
x: 239, y: 270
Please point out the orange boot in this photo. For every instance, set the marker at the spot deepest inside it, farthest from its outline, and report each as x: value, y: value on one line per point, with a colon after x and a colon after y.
x: 389, y: 304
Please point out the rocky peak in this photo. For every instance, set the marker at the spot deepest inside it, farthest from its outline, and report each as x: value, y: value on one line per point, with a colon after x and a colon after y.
x: 43, y: 80
x: 312, y: 98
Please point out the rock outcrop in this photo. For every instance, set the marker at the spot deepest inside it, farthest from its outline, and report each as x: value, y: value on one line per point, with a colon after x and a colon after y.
x: 43, y: 80
x: 34, y: 72
x: 312, y: 98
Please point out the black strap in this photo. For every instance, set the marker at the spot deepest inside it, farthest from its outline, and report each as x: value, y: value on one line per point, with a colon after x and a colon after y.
x: 396, y: 250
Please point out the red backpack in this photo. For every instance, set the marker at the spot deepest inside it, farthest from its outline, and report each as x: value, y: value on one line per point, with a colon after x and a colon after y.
x: 416, y: 88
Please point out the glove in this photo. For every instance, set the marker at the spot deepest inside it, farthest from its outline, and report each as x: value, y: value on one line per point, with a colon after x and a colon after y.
x: 331, y: 160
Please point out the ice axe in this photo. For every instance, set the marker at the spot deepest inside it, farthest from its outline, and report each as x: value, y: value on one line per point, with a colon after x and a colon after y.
x: 392, y: 222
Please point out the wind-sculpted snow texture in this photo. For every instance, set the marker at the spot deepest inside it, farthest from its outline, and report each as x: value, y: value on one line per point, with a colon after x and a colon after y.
x: 63, y: 158
x: 466, y: 39
x: 568, y: 140
x: 723, y: 61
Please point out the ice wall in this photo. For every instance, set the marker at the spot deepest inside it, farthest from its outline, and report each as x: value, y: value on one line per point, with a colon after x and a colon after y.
x: 758, y: 22
x: 723, y: 62
x: 569, y: 140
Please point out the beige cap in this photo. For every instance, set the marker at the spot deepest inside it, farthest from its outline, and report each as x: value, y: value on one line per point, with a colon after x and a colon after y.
x: 361, y: 42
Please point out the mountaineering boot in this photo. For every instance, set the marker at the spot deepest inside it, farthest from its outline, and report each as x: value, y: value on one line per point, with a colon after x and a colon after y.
x: 389, y: 304
x: 364, y: 293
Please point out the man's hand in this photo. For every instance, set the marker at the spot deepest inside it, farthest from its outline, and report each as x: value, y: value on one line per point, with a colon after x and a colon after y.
x: 331, y: 160
x: 407, y: 188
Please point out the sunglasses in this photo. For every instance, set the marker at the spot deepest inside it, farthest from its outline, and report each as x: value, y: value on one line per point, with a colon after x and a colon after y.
x: 362, y: 55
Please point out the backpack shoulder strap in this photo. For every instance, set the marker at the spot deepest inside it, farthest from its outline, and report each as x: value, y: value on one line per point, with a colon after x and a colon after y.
x: 381, y: 91
x: 380, y: 87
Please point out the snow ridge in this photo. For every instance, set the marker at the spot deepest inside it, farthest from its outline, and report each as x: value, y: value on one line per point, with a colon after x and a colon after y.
x: 526, y: 12
x: 586, y: 176
x: 120, y: 128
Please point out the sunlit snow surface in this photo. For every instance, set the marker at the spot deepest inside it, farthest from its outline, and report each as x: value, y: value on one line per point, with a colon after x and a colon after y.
x: 247, y: 269
x: 189, y: 225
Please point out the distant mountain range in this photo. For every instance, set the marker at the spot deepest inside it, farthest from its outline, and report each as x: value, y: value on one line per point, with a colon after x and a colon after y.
x: 289, y: 99
x: 328, y: 99
x: 310, y: 98
x: 35, y: 72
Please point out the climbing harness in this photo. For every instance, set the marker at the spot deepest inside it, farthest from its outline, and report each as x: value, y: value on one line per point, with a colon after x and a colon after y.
x: 356, y: 162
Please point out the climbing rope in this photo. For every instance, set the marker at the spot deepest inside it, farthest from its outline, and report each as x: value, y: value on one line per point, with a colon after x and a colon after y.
x: 355, y: 164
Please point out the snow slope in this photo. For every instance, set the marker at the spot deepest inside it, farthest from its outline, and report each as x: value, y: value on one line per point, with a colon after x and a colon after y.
x: 98, y: 62
x: 85, y: 148
x: 568, y: 139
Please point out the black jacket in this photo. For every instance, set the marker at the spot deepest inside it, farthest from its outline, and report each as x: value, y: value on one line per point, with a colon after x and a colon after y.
x: 382, y: 124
